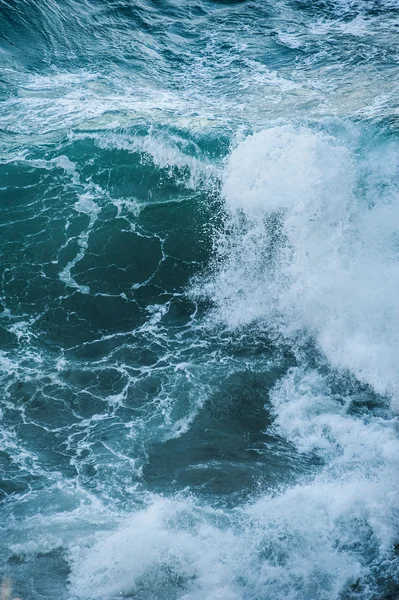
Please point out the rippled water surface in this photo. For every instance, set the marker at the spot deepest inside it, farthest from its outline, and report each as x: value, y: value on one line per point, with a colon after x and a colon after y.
x: 199, y: 319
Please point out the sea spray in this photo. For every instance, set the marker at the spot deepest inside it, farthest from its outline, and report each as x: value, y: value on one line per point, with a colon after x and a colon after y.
x: 198, y: 299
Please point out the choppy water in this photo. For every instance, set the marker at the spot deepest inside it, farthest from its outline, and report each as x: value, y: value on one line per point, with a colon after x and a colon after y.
x: 199, y: 322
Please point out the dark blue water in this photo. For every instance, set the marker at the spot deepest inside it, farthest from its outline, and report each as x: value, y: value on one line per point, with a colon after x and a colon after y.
x: 199, y: 324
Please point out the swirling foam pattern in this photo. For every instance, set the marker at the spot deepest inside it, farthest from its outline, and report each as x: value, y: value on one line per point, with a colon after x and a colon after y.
x: 199, y: 326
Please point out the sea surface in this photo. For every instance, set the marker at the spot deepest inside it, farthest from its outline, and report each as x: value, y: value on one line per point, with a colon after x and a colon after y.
x: 199, y: 299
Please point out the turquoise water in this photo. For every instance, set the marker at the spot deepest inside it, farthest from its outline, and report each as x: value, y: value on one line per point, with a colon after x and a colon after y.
x: 199, y: 325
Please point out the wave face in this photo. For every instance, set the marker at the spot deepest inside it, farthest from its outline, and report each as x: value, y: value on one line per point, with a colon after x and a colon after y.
x: 199, y: 325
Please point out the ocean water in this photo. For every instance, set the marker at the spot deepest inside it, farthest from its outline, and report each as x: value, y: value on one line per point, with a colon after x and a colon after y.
x: 199, y: 326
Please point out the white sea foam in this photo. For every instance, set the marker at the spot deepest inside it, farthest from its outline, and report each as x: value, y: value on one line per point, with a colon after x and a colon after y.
x: 85, y: 205
x: 171, y: 154
x: 310, y: 541
x: 312, y: 245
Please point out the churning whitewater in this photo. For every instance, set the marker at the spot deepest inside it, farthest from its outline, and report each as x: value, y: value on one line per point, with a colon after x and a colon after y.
x: 199, y: 318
